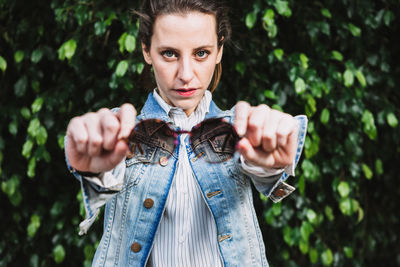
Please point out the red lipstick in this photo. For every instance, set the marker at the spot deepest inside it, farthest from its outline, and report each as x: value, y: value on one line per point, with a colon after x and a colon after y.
x: 186, y: 91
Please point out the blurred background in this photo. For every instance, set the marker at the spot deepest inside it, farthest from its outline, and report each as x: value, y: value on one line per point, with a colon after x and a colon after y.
x: 335, y: 61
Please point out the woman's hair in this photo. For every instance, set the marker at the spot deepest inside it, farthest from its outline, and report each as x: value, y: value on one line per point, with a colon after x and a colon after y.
x: 151, y: 9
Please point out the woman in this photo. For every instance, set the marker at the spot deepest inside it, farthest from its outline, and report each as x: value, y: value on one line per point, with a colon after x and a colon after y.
x: 165, y: 206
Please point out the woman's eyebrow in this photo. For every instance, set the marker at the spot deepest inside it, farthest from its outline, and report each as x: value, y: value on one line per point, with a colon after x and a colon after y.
x: 194, y: 49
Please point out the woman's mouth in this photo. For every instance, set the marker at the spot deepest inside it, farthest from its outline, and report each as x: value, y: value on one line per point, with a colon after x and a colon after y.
x: 186, y: 91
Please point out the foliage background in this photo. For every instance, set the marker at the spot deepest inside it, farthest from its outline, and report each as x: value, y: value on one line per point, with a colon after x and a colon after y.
x: 336, y: 61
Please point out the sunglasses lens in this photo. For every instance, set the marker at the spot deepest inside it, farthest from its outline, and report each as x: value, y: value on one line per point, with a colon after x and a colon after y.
x: 149, y: 136
x: 214, y: 140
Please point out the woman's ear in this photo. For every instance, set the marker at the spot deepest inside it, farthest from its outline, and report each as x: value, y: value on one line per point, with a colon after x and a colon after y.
x: 146, y: 54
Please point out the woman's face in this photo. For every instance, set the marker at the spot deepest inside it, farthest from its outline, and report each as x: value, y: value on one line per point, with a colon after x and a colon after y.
x: 184, y: 52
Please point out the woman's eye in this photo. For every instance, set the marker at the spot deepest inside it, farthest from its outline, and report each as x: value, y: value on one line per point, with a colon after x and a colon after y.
x: 168, y: 53
x: 202, y: 54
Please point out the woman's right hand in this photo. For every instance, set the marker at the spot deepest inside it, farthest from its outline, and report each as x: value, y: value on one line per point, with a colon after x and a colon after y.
x: 95, y: 140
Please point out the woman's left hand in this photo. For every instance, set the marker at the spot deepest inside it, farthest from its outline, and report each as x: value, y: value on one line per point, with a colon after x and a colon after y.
x: 269, y: 136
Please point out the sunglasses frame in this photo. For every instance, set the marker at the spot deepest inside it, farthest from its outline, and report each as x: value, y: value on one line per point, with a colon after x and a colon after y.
x: 221, y: 127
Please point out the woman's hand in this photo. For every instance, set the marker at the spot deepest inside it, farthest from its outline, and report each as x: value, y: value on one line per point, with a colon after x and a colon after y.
x: 269, y: 136
x: 95, y: 140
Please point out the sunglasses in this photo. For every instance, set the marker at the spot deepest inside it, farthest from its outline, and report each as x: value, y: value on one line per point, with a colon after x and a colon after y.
x: 213, y: 140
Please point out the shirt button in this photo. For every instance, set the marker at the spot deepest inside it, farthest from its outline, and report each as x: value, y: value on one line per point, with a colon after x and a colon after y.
x: 148, y: 203
x: 163, y: 161
x: 136, y: 247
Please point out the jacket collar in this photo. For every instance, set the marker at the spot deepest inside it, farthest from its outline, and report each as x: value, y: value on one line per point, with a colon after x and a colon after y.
x: 153, y: 110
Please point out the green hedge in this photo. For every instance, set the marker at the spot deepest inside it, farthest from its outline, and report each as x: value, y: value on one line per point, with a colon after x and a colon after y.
x: 335, y: 61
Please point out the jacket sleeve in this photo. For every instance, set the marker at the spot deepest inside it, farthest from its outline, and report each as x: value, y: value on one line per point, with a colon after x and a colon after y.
x: 271, y: 183
x: 97, y: 190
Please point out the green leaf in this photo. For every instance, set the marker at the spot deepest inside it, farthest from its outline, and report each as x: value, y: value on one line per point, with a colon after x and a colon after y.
x: 361, y: 78
x: 251, y: 19
x: 26, y: 113
x: 41, y: 136
x: 325, y: 114
x: 278, y: 53
x: 299, y: 86
x: 392, y: 120
x: 33, y: 225
x: 122, y: 67
x: 311, y: 106
x: 20, y: 86
x: 348, y: 78
x: 3, y: 64
x: 367, y: 171
x: 10, y: 186
x: 388, y: 17
x: 287, y: 235
x: 240, y: 67
x: 344, y: 189
x: 355, y: 31
x: 303, y: 246
x: 329, y: 213
x: 327, y: 257
x: 18, y: 56
x: 59, y: 253
x: 282, y: 7
x: 337, y: 55
x: 311, y: 216
x: 326, y: 13
x: 139, y: 67
x: 369, y: 124
x: 36, y: 55
x: 121, y: 42
x: 348, y: 251
x: 345, y: 206
x: 305, y: 230
x: 270, y: 94
x: 268, y: 17
x: 33, y: 127
x: 100, y: 28
x: 304, y: 61
x: 37, y: 105
x: 130, y: 43
x: 27, y: 148
x: 379, y: 167
x: 13, y: 127
x: 67, y: 50
x: 31, y: 168
x: 313, y: 254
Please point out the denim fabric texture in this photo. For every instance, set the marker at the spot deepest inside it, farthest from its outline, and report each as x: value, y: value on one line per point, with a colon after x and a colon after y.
x: 130, y: 225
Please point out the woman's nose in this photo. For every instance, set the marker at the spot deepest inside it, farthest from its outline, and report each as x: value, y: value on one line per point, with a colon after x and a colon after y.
x: 186, y: 71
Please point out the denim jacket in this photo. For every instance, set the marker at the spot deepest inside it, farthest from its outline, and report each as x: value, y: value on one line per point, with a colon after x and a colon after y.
x: 135, y: 206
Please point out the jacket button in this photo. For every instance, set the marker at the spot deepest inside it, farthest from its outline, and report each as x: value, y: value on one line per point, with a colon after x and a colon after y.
x: 163, y: 161
x: 279, y: 193
x: 136, y: 247
x: 148, y: 203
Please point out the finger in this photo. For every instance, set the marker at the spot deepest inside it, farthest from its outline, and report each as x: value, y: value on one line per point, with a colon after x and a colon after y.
x: 110, y: 127
x: 285, y: 128
x: 255, y: 156
x: 110, y: 159
x: 242, y: 110
x: 77, y: 135
x: 255, y: 126
x: 291, y: 145
x: 269, y: 138
x: 127, y: 117
x: 95, y: 140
